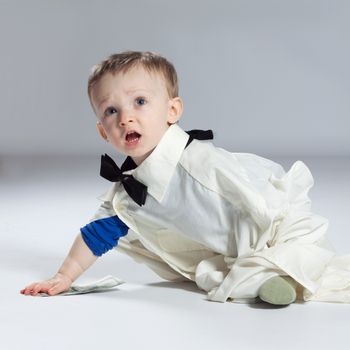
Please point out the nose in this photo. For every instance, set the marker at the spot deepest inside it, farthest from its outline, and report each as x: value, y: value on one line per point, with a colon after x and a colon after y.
x: 125, y: 117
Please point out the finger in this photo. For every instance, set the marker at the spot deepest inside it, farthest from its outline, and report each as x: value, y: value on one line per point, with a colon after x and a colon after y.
x: 53, y: 291
x: 31, y: 292
x: 38, y: 288
x: 31, y: 286
x: 27, y: 290
x: 24, y: 291
x: 44, y: 286
x: 58, y: 288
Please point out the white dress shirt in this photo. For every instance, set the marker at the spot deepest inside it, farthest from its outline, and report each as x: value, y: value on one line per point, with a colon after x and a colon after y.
x: 226, y: 221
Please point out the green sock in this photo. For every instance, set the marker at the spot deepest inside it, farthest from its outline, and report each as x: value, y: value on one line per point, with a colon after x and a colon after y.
x: 278, y: 290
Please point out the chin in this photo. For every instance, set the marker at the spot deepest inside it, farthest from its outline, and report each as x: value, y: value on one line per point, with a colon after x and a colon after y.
x: 140, y: 157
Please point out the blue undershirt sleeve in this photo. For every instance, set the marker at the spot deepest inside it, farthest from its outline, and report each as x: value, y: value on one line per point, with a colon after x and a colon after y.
x: 103, y: 234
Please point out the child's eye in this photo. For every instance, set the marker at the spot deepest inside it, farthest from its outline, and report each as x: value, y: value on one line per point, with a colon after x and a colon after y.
x: 141, y: 101
x: 110, y: 109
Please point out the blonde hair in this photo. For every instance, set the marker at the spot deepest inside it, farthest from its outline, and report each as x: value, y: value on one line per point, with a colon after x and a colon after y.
x: 122, y: 62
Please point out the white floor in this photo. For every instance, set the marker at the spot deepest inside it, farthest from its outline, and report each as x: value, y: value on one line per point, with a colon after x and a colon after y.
x: 43, y: 204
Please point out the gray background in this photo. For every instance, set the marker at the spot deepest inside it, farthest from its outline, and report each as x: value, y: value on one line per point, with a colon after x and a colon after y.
x: 268, y: 77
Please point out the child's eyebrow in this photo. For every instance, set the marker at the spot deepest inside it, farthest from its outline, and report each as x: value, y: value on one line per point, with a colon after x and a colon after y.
x: 129, y: 92
x: 102, y: 101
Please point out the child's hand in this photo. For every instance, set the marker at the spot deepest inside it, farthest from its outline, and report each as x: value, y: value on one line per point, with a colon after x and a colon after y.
x: 59, y: 283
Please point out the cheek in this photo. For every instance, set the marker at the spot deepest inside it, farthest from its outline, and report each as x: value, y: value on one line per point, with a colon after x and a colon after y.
x: 109, y: 124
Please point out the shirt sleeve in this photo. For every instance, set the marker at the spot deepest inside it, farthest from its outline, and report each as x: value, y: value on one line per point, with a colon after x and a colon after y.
x: 103, y: 231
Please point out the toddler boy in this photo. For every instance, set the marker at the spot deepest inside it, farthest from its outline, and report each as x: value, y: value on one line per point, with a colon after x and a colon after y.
x: 236, y: 224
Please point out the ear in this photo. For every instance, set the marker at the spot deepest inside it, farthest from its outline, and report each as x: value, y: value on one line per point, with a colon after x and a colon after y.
x: 175, y: 109
x: 101, y: 131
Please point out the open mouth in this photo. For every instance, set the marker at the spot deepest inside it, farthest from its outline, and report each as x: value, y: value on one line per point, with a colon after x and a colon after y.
x: 132, y: 138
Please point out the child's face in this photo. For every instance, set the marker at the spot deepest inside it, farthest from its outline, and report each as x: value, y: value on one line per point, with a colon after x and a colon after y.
x: 135, y: 100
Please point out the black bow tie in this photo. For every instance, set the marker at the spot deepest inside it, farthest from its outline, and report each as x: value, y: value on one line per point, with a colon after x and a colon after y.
x: 136, y: 189
x: 110, y: 171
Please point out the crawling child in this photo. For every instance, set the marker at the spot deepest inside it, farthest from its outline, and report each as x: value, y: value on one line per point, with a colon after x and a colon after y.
x: 236, y: 224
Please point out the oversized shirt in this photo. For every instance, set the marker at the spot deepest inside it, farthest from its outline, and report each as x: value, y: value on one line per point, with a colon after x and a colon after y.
x: 226, y: 221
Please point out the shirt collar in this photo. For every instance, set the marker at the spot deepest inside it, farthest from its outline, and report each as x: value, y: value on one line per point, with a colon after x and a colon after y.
x: 157, y: 169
